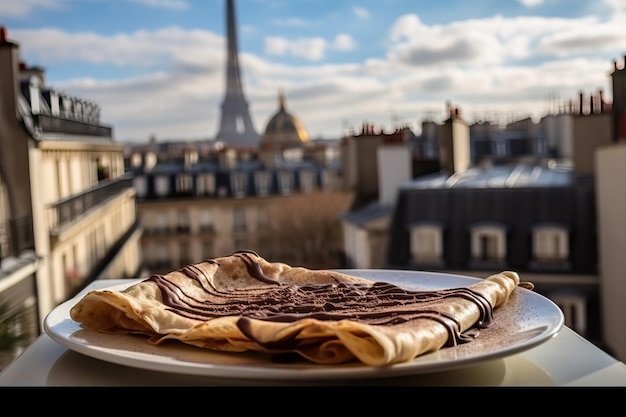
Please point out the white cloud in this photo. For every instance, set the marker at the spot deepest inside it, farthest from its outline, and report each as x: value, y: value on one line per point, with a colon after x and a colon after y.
x: 497, y: 65
x: 531, y: 3
x: 344, y: 42
x: 139, y: 49
x: 312, y: 49
x: 23, y: 8
x: 293, y: 21
x: 164, y: 4
x: 361, y: 12
x: 499, y: 40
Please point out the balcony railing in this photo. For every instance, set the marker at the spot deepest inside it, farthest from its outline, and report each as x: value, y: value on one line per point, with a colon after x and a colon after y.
x: 72, y: 208
x: 16, y: 235
x: 53, y: 124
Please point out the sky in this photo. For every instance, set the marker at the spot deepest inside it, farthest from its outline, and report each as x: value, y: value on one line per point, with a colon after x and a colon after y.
x: 157, y: 67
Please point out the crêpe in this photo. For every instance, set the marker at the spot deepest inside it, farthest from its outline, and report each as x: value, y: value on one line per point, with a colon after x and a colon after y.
x: 243, y: 302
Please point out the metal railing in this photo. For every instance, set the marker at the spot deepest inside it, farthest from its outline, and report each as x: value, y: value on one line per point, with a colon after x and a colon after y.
x: 70, y: 209
x: 16, y: 235
x: 53, y: 124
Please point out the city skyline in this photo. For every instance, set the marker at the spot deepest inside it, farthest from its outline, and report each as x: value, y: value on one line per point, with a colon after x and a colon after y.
x: 157, y: 67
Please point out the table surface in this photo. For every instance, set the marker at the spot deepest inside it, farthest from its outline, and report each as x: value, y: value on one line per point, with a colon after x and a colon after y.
x: 566, y: 359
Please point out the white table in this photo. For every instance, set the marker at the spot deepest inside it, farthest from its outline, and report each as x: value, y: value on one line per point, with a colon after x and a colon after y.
x: 567, y: 359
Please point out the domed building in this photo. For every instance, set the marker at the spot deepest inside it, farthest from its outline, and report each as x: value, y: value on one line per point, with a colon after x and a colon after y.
x: 283, y: 130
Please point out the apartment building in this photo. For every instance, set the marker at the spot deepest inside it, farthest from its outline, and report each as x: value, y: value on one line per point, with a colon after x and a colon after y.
x: 283, y: 200
x: 543, y: 199
x: 67, y: 206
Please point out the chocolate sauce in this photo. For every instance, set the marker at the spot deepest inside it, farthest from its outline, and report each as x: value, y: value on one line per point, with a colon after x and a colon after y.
x: 380, y: 304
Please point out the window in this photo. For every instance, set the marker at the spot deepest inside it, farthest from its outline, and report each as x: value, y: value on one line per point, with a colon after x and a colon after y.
x: 550, y: 243
x: 183, y: 220
x: 285, y: 182
x: 183, y: 252
x: 239, y: 184
x: 574, y: 311
x: 207, y: 249
x: 307, y: 181
x: 239, y: 219
x: 426, y: 243
x: 206, y: 220
x: 264, y: 218
x: 140, y: 186
x: 262, y: 179
x: 161, y: 186
x: 160, y: 223
x: 488, y: 243
x: 205, y: 184
x: 183, y: 183
x: 328, y: 179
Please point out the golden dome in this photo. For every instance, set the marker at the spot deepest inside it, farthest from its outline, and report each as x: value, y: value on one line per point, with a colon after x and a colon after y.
x: 284, y: 130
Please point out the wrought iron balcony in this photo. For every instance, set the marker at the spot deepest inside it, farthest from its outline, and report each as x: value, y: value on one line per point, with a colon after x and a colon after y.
x: 70, y: 209
x: 53, y: 124
x: 16, y: 235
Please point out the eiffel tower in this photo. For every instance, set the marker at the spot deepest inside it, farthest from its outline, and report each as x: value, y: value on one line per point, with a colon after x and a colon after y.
x: 236, y: 128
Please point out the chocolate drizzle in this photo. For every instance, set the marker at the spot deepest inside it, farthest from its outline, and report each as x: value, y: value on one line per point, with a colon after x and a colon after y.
x: 381, y: 304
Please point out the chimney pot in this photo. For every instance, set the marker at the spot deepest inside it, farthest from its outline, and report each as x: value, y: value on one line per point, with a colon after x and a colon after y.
x: 3, y: 34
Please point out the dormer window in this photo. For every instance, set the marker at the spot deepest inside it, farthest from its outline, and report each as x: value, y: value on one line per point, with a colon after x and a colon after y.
x: 426, y: 243
x: 488, y: 244
x: 240, y: 184
x: 307, y: 181
x: 162, y: 186
x: 262, y: 183
x: 550, y: 246
x: 285, y: 182
x: 205, y: 184
x: 183, y: 183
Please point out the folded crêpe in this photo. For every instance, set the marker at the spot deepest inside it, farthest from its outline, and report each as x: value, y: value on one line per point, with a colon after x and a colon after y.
x: 243, y: 302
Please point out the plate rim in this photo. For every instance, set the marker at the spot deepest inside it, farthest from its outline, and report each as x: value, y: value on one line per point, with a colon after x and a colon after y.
x: 57, y: 318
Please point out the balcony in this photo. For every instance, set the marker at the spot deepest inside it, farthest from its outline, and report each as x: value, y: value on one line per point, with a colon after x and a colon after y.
x: 16, y: 235
x: 52, y: 124
x: 70, y: 209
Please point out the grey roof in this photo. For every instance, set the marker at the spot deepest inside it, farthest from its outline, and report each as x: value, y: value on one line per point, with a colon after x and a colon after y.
x: 550, y: 174
x: 368, y: 213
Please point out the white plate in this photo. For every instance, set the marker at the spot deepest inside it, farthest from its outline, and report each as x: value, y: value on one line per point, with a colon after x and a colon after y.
x: 527, y: 320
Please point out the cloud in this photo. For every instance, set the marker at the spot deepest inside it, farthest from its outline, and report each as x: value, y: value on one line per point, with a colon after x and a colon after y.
x: 293, y: 21
x: 582, y: 40
x: 139, y: 49
x: 361, y: 12
x: 311, y: 49
x: 308, y: 48
x: 497, y: 64
x: 164, y: 4
x: 344, y: 42
x: 498, y: 40
x: 24, y: 8
x: 530, y: 3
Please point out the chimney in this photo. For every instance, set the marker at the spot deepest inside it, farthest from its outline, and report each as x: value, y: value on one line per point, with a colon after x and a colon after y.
x: 454, y: 147
x: 601, y: 99
x: 580, y: 102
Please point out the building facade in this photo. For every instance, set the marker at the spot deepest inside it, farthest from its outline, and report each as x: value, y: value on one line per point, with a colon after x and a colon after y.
x: 545, y: 201
x: 68, y: 206
x: 288, y: 209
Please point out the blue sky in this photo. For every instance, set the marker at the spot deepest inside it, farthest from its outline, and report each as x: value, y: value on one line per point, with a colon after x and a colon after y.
x: 156, y: 67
